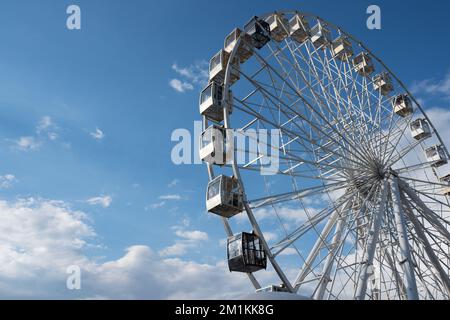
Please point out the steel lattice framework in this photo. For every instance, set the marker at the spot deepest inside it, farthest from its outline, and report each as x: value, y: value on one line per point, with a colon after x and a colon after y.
x: 356, y: 196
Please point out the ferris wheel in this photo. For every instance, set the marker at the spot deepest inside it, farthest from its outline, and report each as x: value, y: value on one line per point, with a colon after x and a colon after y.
x: 357, y: 206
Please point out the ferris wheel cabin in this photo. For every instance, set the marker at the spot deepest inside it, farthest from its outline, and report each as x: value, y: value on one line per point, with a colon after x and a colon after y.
x: 244, y: 51
x: 320, y: 36
x: 436, y: 155
x: 402, y: 105
x: 278, y: 26
x: 218, y: 67
x: 211, y: 102
x: 420, y: 129
x: 224, y: 197
x: 259, y: 31
x: 383, y: 83
x: 298, y: 28
x: 342, y: 48
x: 245, y: 253
x: 446, y: 180
x: 213, y: 146
x: 363, y: 64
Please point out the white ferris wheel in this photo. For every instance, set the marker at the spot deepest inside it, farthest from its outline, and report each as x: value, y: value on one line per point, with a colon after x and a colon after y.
x: 359, y: 199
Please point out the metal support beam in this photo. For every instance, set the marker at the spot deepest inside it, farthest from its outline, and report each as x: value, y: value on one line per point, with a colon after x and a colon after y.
x: 371, y: 246
x: 307, y: 266
x: 323, y: 283
x: 429, y: 214
x: 405, y: 251
x: 428, y: 249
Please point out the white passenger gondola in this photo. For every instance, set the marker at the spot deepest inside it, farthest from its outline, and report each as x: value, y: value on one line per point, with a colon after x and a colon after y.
x: 245, y: 49
x: 445, y: 180
x: 215, y: 146
x: 342, y: 48
x: 245, y: 253
x: 259, y: 31
x: 224, y: 197
x: 382, y: 82
x: 436, y: 155
x: 363, y: 64
x: 278, y: 26
x: 298, y: 28
x: 402, y: 105
x: 420, y: 129
x: 211, y: 102
x: 218, y: 67
x: 320, y: 35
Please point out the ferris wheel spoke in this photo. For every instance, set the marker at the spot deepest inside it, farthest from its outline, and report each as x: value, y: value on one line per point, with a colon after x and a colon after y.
x: 290, y: 133
x: 427, y: 247
x: 315, y: 251
x: 292, y: 174
x: 402, y: 153
x: 310, y: 223
x: 328, y: 263
x: 342, y: 263
x: 316, y: 96
x: 307, y: 264
x: 347, y: 103
x: 397, y: 143
x: 426, y: 182
x: 428, y: 214
x: 294, y: 195
x: 314, y: 126
x: 290, y: 156
x: 319, y: 102
x: 390, y: 258
x: 416, y: 167
x: 337, y: 97
x: 317, y: 115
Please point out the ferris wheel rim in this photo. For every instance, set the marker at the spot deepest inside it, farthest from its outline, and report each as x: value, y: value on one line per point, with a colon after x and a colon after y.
x: 227, y: 120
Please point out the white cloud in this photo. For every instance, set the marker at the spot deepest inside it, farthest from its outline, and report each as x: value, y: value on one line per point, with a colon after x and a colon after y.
x: 189, y: 241
x: 196, y: 73
x: 180, y: 86
x: 287, y: 214
x: 104, y: 201
x: 270, y: 236
x: 46, y: 127
x: 97, y: 134
x: 44, y: 123
x: 289, y: 252
x: 155, y: 205
x: 39, y: 239
x: 192, y: 235
x: 173, y: 183
x: 171, y: 197
x: 433, y: 87
x: 178, y: 249
x: 441, y: 120
x: 28, y: 144
x: 7, y: 180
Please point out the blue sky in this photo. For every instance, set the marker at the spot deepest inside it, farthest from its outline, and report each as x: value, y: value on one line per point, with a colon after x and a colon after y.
x: 87, y: 115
